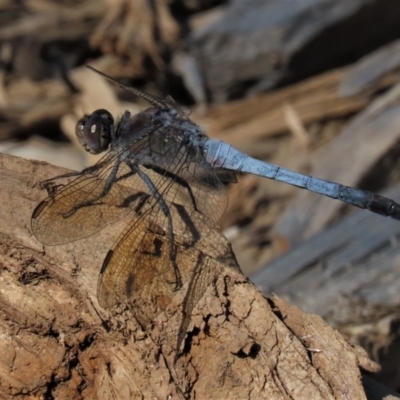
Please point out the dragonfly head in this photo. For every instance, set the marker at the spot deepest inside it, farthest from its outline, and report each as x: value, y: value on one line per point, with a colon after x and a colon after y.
x: 94, y: 131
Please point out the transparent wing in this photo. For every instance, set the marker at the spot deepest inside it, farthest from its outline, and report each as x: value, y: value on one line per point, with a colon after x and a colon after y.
x: 90, y: 202
x: 167, y: 184
x: 139, y: 265
x: 139, y: 256
x: 72, y: 214
x: 196, y: 185
x: 188, y: 200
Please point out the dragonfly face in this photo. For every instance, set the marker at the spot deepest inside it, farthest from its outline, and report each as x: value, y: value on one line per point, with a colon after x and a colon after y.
x: 94, y: 131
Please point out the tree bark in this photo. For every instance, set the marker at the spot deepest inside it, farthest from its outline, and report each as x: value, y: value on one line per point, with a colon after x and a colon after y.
x: 57, y: 342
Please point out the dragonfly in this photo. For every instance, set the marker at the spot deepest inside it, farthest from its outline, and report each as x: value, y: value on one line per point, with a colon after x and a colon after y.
x: 169, y: 177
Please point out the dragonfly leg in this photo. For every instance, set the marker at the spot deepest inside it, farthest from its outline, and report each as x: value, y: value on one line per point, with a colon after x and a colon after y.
x: 177, y: 179
x: 165, y: 209
x: 107, y: 187
x: 51, y: 188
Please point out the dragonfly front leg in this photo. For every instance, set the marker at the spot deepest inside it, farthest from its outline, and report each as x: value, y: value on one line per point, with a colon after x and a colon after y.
x: 111, y: 179
x: 51, y: 187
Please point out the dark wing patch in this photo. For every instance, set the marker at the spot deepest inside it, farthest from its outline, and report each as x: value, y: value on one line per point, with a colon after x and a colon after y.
x: 138, y: 257
x: 104, y: 194
x: 129, y: 285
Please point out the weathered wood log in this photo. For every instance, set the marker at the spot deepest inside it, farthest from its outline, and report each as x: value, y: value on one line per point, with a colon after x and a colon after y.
x: 57, y: 342
x: 248, y: 122
x: 368, y: 70
x: 356, y: 253
x: 361, y: 144
x: 245, y: 123
x: 135, y: 30
x: 267, y: 43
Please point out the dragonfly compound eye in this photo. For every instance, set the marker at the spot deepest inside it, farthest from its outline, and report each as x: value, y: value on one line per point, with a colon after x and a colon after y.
x: 94, y: 131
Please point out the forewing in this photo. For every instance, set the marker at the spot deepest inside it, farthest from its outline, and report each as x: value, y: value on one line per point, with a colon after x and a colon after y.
x: 154, y: 243
x: 198, y: 189
x: 78, y: 210
x: 101, y: 196
x: 190, y: 191
x: 209, y: 192
x: 191, y: 180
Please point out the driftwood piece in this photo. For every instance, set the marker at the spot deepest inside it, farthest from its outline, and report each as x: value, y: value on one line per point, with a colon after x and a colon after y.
x: 354, y: 257
x: 348, y: 274
x: 246, y: 123
x: 234, y: 113
x: 267, y: 43
x: 57, y: 342
x: 359, y: 146
x: 47, y: 20
x: 27, y: 105
x: 365, y: 72
x: 136, y: 30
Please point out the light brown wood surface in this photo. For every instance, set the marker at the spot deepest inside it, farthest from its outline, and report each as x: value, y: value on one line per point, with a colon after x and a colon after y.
x: 56, y: 340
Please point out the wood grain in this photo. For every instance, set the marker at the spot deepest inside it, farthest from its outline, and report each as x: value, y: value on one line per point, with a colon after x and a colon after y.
x: 57, y: 340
